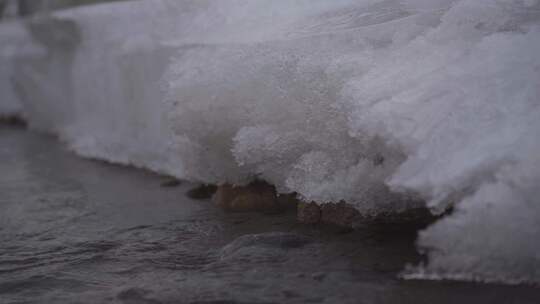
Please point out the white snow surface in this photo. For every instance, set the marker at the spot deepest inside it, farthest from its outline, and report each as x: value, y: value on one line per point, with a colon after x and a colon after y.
x: 371, y: 102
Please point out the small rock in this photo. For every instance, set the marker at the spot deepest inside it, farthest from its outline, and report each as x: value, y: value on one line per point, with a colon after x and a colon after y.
x: 254, y: 202
x: 340, y: 214
x: 225, y: 194
x: 308, y: 213
x: 257, y: 196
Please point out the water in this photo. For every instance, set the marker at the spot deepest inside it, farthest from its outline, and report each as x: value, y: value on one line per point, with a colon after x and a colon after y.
x: 82, y: 231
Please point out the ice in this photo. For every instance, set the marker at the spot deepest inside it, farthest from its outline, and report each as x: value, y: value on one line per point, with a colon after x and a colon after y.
x: 386, y: 105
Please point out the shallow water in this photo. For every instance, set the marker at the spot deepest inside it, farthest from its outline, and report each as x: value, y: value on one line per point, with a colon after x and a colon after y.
x: 81, y: 231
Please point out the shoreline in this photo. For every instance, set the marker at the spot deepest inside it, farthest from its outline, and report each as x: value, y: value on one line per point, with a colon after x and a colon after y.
x: 385, y: 249
x: 259, y: 196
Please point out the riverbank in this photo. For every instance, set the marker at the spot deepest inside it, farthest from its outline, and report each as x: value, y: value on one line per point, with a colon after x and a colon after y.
x: 80, y: 231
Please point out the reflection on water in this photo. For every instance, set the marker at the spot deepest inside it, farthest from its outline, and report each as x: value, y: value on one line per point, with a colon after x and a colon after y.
x: 81, y: 231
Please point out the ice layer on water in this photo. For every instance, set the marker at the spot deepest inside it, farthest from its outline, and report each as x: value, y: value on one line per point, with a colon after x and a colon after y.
x: 379, y: 103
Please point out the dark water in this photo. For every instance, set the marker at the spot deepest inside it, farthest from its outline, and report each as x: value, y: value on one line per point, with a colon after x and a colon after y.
x: 81, y: 231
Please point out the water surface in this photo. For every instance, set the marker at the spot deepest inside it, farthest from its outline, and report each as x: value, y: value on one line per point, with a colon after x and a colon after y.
x: 82, y: 231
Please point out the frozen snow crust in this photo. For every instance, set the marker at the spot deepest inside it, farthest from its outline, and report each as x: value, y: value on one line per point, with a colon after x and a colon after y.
x: 377, y: 103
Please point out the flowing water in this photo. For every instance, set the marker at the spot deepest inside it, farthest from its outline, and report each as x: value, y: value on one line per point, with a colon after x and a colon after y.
x: 82, y: 231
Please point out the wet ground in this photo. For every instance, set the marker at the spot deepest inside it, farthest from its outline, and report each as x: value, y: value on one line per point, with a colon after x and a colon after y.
x: 82, y: 231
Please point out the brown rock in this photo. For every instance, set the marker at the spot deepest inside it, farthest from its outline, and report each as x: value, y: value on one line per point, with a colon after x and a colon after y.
x: 340, y: 214
x: 252, y: 202
x: 308, y: 213
x: 225, y: 194
x: 257, y: 196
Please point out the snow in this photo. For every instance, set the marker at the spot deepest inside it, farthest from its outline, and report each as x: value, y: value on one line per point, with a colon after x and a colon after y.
x: 370, y: 102
x: 15, y: 43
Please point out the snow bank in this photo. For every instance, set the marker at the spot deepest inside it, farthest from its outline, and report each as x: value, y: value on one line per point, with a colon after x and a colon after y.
x: 15, y: 44
x: 377, y: 103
